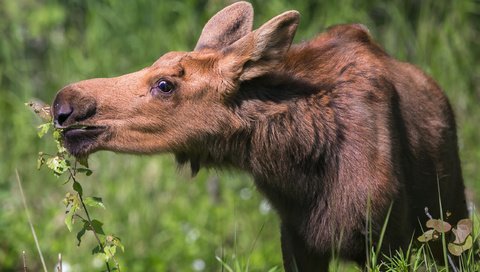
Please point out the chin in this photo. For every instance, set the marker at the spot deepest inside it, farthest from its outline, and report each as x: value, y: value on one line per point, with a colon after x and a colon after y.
x: 81, y: 143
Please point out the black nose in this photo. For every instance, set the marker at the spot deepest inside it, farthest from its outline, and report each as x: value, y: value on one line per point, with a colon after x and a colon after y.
x: 72, y: 106
x: 61, y: 113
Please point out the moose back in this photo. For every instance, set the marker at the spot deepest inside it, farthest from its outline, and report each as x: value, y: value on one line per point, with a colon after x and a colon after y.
x: 333, y: 130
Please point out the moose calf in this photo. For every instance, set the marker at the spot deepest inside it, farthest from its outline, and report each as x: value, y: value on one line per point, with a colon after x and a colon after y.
x: 333, y: 130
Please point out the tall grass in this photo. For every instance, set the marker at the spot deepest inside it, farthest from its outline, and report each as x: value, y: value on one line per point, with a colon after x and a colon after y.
x: 170, y: 222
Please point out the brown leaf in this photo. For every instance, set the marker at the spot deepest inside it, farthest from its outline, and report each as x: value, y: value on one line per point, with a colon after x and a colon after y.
x: 439, y: 225
x: 463, y: 230
x: 41, y: 109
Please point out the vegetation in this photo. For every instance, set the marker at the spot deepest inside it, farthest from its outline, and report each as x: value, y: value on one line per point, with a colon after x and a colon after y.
x: 168, y: 221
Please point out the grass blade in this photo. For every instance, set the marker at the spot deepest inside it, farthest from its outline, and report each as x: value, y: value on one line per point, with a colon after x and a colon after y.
x: 25, y: 206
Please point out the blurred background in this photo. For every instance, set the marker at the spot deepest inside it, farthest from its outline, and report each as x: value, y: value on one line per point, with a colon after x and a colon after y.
x: 167, y: 220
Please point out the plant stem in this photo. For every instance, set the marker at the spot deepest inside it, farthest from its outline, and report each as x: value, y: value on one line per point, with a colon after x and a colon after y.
x: 72, y: 175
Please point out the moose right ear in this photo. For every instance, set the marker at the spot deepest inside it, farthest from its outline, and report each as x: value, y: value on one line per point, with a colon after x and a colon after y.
x: 227, y: 26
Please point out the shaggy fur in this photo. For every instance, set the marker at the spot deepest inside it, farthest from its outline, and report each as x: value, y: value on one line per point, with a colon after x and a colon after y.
x: 334, y: 131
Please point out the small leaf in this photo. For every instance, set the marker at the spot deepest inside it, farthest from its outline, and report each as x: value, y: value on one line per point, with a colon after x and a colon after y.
x: 439, y: 225
x: 87, y: 171
x: 72, y: 204
x: 69, y: 219
x: 110, y: 251
x: 457, y: 250
x: 93, y: 201
x: 116, y: 241
x: 97, y: 227
x: 78, y: 188
x: 58, y: 165
x: 426, y: 236
x: 57, y: 135
x: 41, y: 109
x: 83, y: 161
x: 464, y: 228
x: 96, y: 250
x: 43, y: 129
x: 60, y: 148
x: 468, y: 243
x: 40, y: 161
x: 81, y: 233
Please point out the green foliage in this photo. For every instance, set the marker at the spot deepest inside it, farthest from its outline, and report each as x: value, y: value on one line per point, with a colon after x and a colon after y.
x: 75, y: 202
x: 170, y: 222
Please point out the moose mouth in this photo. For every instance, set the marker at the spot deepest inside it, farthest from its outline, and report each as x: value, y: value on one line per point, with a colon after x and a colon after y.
x: 80, y: 140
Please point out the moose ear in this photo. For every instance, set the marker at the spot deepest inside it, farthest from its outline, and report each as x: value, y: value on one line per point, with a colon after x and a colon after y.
x: 260, y: 51
x: 226, y: 27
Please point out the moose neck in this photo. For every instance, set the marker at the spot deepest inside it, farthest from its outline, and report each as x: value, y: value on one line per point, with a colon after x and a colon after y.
x: 289, y: 130
x: 292, y: 132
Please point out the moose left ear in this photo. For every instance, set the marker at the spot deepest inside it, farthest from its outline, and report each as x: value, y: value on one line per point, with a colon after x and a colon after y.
x: 227, y: 26
x: 262, y: 50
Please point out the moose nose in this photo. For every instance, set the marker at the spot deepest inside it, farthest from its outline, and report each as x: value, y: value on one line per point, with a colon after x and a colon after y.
x: 72, y: 106
x: 61, y: 113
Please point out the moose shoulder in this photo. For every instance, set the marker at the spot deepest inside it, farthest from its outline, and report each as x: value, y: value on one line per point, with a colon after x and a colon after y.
x: 333, y: 130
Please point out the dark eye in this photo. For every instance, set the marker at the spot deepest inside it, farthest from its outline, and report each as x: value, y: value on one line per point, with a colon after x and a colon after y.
x: 163, y: 87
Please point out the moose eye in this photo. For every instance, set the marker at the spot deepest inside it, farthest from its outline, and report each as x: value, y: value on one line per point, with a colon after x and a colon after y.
x: 163, y: 87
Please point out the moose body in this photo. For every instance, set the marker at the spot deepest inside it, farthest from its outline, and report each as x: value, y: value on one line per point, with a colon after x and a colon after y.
x: 333, y: 130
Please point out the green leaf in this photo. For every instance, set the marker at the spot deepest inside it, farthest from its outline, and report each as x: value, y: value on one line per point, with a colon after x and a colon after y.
x: 81, y: 233
x: 439, y: 225
x: 58, y: 165
x: 57, y: 134
x: 69, y: 219
x: 93, y: 201
x: 110, y: 251
x: 72, y: 204
x: 40, y: 160
x: 43, y: 129
x: 96, y: 250
x: 87, y: 171
x: 60, y: 148
x: 83, y: 161
x: 116, y: 241
x: 457, y: 250
x: 427, y: 236
x: 97, y: 227
x: 78, y: 188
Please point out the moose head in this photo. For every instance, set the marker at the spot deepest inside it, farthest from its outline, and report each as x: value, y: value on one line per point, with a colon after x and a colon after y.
x: 183, y: 99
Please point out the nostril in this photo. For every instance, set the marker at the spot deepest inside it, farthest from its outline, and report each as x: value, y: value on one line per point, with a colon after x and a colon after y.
x: 72, y: 106
x: 62, y: 113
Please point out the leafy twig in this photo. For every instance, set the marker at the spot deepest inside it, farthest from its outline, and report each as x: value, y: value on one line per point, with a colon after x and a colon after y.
x: 89, y: 220
x: 60, y: 164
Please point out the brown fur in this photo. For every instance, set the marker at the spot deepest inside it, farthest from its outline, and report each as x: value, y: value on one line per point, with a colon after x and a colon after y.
x: 324, y: 127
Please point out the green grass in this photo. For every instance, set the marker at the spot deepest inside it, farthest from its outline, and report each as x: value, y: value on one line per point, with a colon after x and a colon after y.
x: 168, y: 221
